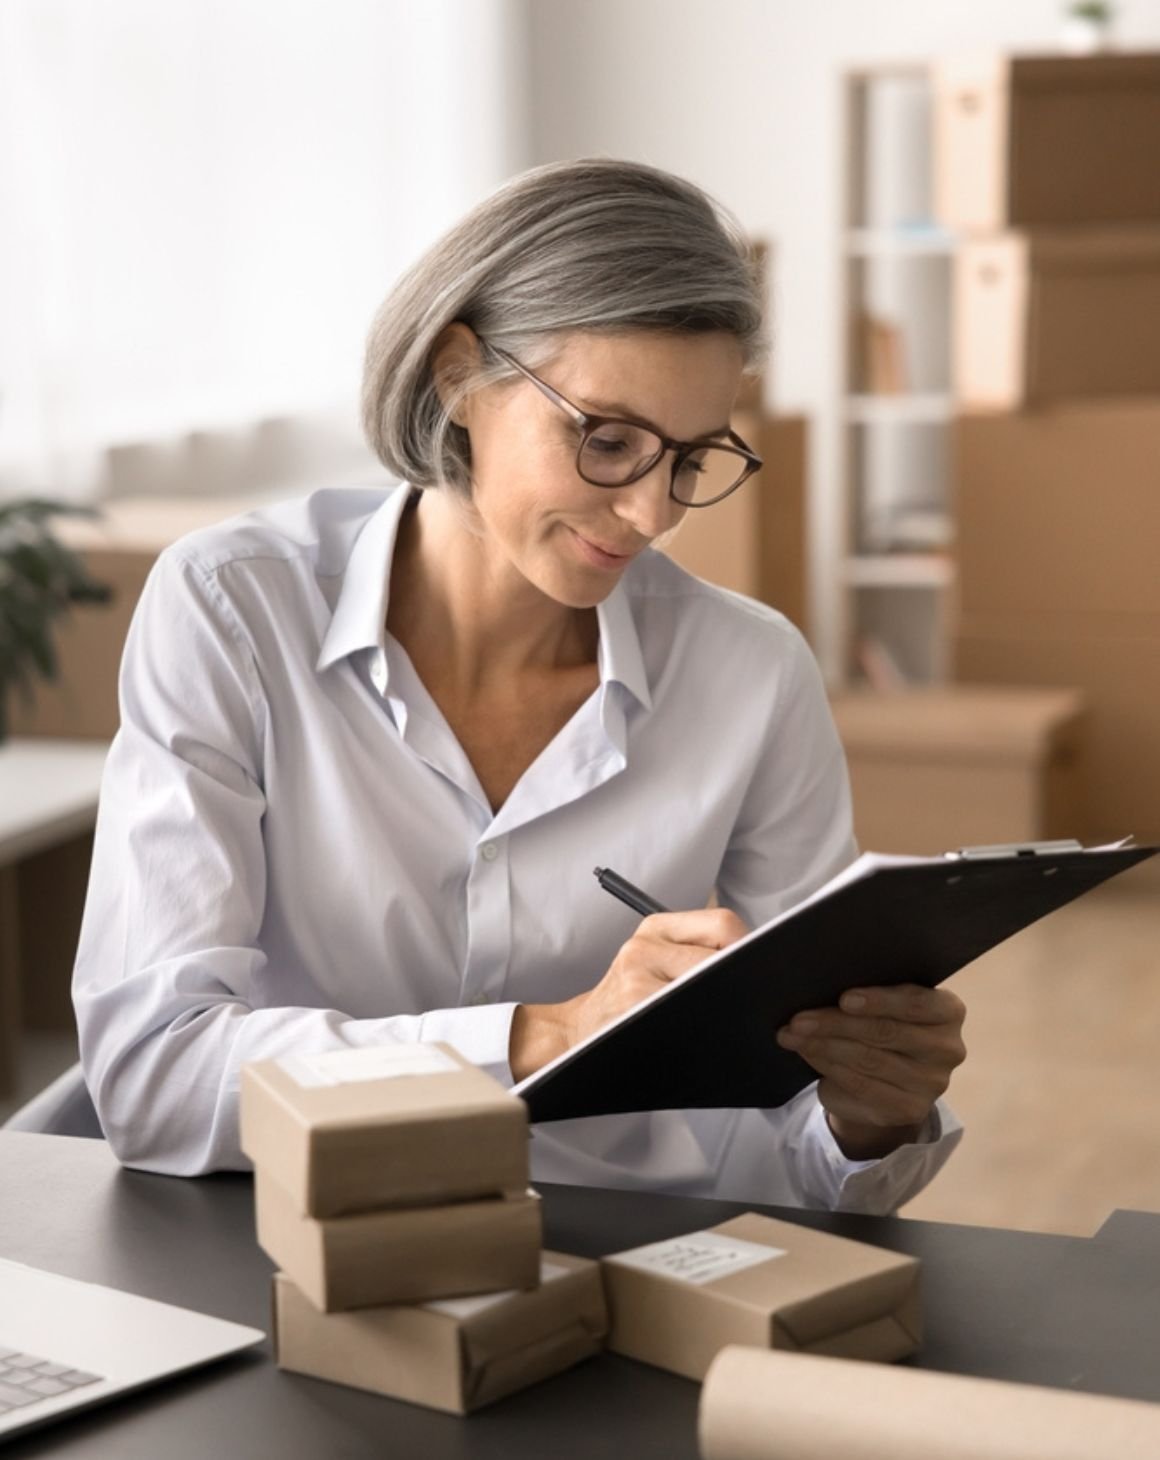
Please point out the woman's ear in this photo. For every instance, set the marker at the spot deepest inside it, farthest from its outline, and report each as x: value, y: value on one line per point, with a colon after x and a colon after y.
x: 454, y: 359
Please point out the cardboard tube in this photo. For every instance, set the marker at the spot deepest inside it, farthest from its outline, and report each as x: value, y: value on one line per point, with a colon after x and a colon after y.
x: 759, y: 1404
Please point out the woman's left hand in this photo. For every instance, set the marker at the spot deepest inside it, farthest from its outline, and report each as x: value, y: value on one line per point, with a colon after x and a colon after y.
x: 885, y: 1055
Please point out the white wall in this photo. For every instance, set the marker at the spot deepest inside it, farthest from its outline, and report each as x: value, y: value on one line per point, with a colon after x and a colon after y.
x: 204, y: 200
x: 742, y: 96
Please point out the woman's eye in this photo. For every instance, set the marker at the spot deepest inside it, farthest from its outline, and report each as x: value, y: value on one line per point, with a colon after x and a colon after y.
x: 607, y: 445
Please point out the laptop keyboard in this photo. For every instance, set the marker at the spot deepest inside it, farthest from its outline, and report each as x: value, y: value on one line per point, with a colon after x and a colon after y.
x: 26, y: 1379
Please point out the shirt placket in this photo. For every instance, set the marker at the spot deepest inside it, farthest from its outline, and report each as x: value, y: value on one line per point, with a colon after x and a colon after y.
x: 489, y: 922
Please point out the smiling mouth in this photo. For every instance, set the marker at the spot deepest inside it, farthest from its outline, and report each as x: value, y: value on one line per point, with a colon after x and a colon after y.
x: 601, y: 556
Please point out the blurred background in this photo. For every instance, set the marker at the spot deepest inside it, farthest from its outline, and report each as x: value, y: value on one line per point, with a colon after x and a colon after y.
x: 957, y: 210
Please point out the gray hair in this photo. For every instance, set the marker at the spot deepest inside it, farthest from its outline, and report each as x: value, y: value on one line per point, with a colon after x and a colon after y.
x: 598, y: 245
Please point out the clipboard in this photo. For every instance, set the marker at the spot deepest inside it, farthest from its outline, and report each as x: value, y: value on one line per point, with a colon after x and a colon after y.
x: 707, y: 1040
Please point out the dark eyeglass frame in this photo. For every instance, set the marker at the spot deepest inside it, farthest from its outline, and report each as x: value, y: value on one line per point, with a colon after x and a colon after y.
x: 682, y: 449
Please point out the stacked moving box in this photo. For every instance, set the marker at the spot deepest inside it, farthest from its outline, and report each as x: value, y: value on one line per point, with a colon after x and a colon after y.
x: 391, y: 1189
x: 1049, y: 170
x: 1048, y: 167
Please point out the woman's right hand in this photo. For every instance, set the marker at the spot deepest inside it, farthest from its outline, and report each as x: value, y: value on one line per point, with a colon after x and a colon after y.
x: 664, y: 946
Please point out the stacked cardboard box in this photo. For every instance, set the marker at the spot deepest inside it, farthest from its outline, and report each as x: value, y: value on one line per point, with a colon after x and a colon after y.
x: 391, y: 1189
x: 1049, y: 167
x: 1059, y: 515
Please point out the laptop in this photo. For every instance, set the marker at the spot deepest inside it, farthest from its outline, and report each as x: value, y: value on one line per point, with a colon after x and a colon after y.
x: 66, y: 1344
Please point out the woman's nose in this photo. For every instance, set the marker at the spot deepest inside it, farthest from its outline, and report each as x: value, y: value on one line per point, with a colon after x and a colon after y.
x: 646, y: 504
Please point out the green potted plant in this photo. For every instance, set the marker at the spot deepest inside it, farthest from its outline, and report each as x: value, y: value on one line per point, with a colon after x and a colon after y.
x: 39, y: 580
x: 1087, y: 26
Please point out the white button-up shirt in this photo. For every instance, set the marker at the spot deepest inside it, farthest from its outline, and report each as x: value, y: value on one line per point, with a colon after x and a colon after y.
x: 294, y: 854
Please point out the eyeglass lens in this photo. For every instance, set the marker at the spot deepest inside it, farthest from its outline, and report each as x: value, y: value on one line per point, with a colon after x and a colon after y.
x: 617, y: 451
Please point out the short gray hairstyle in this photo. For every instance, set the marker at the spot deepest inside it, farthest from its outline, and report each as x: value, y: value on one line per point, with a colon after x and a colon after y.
x: 599, y: 245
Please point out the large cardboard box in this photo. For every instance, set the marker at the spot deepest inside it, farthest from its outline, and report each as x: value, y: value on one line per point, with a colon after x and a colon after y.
x: 935, y: 769
x: 1058, y: 522
x: 1118, y: 674
x: 401, y: 1254
x: 387, y: 1126
x: 1042, y: 141
x: 1045, y: 317
x: 455, y: 1355
x: 755, y: 1280
x: 755, y: 541
x: 1058, y: 514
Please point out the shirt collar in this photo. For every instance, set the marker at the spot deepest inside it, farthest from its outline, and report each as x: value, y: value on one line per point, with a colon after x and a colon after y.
x: 360, y: 615
x: 621, y: 660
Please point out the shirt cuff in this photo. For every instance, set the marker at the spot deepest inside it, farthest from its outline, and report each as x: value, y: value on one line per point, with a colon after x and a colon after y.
x: 880, y: 1186
x: 480, y: 1034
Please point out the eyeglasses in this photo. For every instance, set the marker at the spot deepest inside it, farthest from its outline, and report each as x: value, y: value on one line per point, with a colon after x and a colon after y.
x: 615, y: 452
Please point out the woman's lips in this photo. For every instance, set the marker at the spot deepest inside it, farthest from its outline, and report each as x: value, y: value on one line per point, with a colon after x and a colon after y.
x: 600, y: 557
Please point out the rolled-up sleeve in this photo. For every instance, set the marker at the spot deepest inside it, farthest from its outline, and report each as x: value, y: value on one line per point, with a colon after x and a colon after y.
x: 789, y: 1157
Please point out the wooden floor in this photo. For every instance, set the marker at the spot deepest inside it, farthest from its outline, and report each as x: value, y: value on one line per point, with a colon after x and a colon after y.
x: 1060, y: 1094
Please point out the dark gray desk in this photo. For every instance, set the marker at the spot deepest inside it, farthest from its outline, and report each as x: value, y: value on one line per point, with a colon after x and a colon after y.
x: 1064, y: 1311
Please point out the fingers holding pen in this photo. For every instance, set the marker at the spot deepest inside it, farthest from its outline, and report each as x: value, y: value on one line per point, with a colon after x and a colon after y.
x: 705, y: 928
x: 664, y: 946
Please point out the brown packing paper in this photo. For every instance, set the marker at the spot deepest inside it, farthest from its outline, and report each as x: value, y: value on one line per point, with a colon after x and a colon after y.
x: 401, y: 1254
x: 676, y: 1304
x: 758, y: 1405
x: 396, y: 1125
x: 457, y: 1355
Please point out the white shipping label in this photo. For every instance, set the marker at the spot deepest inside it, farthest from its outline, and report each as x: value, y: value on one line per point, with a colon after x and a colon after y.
x: 378, y: 1062
x: 698, y: 1257
x: 466, y: 1307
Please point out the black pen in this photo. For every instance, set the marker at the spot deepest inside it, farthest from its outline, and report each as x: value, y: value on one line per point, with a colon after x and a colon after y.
x: 639, y: 901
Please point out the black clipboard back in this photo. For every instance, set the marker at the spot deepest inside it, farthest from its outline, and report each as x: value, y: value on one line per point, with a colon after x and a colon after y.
x: 707, y: 1039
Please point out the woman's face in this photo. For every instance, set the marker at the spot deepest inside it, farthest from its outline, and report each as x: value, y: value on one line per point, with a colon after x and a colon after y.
x: 541, y: 520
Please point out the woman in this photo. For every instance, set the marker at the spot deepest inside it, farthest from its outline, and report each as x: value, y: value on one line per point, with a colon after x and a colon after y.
x: 374, y: 742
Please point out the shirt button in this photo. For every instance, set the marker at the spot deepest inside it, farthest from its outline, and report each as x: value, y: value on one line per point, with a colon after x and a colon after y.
x: 480, y: 999
x: 489, y: 851
x: 379, y: 675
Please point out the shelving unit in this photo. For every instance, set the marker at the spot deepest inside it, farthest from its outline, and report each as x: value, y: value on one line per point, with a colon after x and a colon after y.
x: 896, y: 407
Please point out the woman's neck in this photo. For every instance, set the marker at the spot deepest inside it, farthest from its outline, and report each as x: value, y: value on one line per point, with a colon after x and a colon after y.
x: 456, y: 605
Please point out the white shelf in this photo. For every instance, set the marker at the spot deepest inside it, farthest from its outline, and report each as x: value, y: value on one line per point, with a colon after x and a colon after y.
x: 899, y: 570
x: 934, y: 407
x: 900, y: 242
x: 892, y: 550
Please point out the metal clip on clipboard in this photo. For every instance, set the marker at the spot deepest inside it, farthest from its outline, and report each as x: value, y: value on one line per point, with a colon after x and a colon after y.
x: 1017, y: 849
